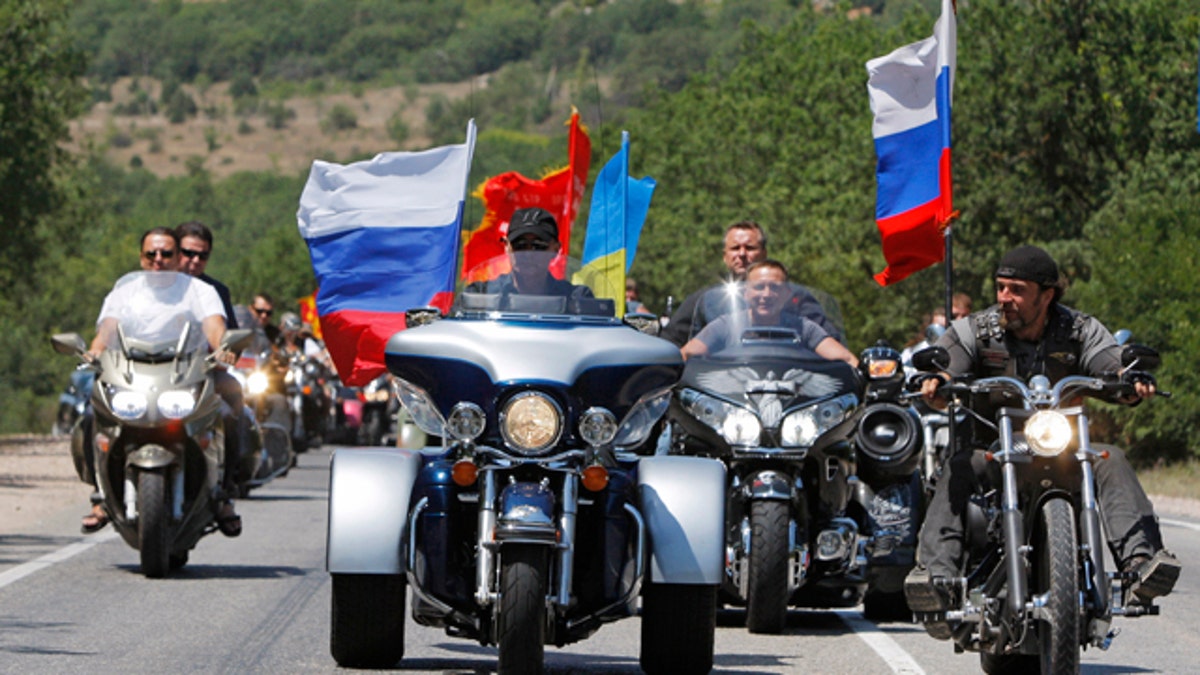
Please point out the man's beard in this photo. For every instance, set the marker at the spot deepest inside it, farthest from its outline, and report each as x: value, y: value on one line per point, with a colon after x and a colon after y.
x: 1016, y: 323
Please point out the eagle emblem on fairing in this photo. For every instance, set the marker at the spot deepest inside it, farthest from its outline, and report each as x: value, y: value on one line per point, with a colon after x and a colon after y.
x: 768, y: 392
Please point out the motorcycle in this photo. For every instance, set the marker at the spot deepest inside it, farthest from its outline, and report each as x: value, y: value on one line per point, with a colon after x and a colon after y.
x: 268, y: 453
x: 801, y: 528
x: 1036, y: 590
x: 379, y: 407
x: 72, y: 403
x: 538, y: 518
x: 158, y: 440
x: 306, y: 381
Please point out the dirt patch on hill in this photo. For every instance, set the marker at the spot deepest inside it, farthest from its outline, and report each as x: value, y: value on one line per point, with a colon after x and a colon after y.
x: 225, y: 142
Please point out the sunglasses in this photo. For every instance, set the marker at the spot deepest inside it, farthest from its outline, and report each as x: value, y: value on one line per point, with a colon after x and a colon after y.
x: 530, y: 245
x: 165, y: 254
x: 262, y: 311
x: 189, y: 253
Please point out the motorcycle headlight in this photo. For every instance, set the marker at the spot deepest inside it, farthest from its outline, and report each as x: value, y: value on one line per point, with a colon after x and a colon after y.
x: 531, y: 422
x: 129, y: 405
x: 641, y: 418
x: 257, y: 383
x: 741, y: 427
x: 597, y: 427
x: 420, y: 407
x: 466, y: 422
x: 801, y: 428
x: 737, y: 425
x: 175, y: 405
x: 1048, y: 433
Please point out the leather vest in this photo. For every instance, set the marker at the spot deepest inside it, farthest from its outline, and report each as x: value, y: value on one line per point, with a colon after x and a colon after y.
x: 1056, y: 355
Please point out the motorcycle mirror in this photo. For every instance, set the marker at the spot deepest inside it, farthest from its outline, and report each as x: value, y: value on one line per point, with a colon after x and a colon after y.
x: 1140, y: 357
x: 236, y: 340
x: 1122, y: 336
x: 421, y: 316
x: 931, y: 359
x: 643, y: 323
x: 68, y: 343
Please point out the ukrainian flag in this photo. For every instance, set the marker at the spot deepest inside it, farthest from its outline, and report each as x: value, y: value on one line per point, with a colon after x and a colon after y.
x: 619, y: 206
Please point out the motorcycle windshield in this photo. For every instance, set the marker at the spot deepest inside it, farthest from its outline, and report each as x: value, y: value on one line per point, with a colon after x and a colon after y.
x: 537, y: 284
x: 770, y: 366
x: 154, y: 310
x: 729, y: 299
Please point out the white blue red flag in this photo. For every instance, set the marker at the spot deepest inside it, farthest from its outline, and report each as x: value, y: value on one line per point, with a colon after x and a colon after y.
x: 910, y: 96
x: 383, y: 235
x: 619, y: 206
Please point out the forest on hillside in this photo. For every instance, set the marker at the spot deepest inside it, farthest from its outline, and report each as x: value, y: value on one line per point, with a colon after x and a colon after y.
x: 1075, y: 128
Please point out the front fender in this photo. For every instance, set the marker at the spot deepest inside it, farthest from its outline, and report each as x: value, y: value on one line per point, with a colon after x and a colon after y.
x: 369, y: 494
x: 683, y: 502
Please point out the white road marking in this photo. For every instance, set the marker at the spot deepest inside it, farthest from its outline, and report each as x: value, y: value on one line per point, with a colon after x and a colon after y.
x: 21, y: 571
x: 892, y: 653
x: 1179, y: 523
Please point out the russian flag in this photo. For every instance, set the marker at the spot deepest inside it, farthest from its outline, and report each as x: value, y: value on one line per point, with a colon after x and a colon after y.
x: 383, y: 236
x: 910, y: 93
x: 619, y: 206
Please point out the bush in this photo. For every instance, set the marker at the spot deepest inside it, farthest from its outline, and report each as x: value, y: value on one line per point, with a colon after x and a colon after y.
x: 397, y: 128
x: 340, y: 118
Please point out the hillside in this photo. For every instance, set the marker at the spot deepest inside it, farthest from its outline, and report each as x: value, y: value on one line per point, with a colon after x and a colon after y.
x: 229, y: 142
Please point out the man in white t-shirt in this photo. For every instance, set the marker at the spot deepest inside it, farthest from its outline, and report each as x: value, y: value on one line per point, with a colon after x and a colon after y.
x: 155, y: 307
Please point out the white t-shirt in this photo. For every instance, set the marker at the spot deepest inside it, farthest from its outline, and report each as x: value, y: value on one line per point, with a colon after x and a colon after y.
x: 155, y: 306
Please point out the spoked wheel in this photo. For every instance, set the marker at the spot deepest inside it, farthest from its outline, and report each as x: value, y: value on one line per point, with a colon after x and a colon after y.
x: 367, y: 628
x: 678, y: 625
x: 154, y: 523
x: 521, y: 620
x: 1055, y: 574
x: 767, y: 588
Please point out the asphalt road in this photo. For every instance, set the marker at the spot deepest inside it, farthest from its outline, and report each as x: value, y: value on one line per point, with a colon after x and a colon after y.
x: 260, y: 604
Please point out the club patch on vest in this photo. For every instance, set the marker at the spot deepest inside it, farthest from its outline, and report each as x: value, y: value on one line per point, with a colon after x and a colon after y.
x: 1065, y: 358
x: 994, y: 358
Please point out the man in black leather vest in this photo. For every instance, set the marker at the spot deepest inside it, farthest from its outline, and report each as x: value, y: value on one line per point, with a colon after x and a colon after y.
x: 1026, y: 333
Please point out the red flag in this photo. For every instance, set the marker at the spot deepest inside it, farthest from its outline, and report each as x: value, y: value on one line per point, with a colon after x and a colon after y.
x: 308, y: 313
x: 559, y: 192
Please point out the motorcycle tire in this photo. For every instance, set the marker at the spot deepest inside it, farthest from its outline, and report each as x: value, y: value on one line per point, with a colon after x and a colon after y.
x: 154, y: 521
x: 767, y: 586
x: 521, y: 620
x: 678, y: 626
x: 367, y: 627
x: 1056, y: 574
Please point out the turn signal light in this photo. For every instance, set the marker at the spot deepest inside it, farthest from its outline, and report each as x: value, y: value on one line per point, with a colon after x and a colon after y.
x: 595, y: 478
x: 102, y: 441
x: 464, y: 473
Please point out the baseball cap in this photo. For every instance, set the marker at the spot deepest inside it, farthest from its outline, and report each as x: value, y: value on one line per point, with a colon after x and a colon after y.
x: 1029, y: 263
x: 538, y: 222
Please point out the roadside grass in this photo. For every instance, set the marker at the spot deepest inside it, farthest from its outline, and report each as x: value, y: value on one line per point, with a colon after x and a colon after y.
x: 1173, y: 480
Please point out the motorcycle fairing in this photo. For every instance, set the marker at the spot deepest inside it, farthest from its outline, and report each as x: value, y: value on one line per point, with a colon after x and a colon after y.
x: 683, y: 503
x: 582, y: 365
x: 369, y: 494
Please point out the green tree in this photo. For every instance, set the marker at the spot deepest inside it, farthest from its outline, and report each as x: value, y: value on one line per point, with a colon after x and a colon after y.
x: 39, y: 94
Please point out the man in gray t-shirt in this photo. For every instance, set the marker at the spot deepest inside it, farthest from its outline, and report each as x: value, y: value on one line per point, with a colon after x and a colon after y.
x: 766, y: 292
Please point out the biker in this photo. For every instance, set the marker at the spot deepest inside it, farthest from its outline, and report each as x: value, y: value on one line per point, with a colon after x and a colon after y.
x: 531, y: 244
x: 745, y: 243
x: 1028, y: 332
x: 160, y: 248
x: 766, y: 292
x: 195, y: 247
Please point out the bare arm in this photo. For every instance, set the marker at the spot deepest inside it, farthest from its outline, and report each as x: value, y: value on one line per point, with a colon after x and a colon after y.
x: 214, y: 329
x: 693, y: 347
x: 104, y: 334
x: 835, y: 351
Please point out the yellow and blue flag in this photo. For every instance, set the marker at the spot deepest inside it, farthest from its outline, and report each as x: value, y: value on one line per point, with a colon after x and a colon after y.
x: 619, y: 207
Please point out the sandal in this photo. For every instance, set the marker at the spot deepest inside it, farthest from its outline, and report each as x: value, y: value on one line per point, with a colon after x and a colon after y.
x: 94, y: 521
x: 228, y: 521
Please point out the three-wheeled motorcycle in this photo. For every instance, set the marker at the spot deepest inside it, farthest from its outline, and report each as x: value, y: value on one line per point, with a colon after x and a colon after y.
x: 539, y: 517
